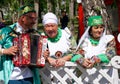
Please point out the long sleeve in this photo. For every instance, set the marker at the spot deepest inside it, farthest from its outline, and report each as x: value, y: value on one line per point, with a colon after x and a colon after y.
x: 110, y: 52
x: 6, y: 65
x: 1, y: 50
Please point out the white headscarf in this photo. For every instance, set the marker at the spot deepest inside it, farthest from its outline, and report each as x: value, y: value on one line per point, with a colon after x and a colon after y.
x: 49, y: 18
x: 100, y: 48
x: 86, y: 35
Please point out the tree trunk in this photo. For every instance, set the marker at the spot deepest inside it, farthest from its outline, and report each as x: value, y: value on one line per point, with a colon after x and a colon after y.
x: 49, y: 5
x: 96, y: 7
x: 36, y: 4
x: 58, y: 11
x: 1, y: 16
x: 71, y: 13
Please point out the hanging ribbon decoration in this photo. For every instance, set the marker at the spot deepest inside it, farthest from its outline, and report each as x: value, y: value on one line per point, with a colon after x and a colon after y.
x: 80, y: 20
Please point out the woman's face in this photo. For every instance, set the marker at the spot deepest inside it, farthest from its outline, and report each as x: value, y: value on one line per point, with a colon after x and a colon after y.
x: 51, y: 30
x: 97, y: 31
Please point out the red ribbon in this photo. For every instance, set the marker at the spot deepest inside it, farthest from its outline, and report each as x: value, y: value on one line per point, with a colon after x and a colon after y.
x: 108, y: 2
x: 80, y: 20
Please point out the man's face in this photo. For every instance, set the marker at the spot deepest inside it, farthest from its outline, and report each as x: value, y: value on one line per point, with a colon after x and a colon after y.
x: 29, y: 19
x: 63, y: 13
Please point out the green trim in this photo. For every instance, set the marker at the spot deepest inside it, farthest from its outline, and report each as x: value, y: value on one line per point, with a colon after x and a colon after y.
x: 57, y: 38
x: 103, y: 58
x: 75, y: 57
x: 93, y: 41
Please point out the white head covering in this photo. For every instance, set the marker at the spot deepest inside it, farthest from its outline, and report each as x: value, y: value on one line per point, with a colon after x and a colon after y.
x: 98, y: 49
x: 92, y: 20
x: 91, y: 50
x: 86, y: 35
x: 49, y: 18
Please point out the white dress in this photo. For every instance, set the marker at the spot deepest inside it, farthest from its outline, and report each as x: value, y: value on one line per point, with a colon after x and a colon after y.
x: 91, y: 50
x: 63, y: 45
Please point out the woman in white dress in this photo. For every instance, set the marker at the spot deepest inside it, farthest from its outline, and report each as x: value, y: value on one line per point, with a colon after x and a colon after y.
x: 59, y: 41
x: 95, y: 46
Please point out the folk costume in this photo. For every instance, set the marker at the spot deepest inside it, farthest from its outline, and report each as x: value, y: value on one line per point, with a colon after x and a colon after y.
x: 62, y: 42
x: 60, y: 45
x: 8, y: 72
x: 104, y: 48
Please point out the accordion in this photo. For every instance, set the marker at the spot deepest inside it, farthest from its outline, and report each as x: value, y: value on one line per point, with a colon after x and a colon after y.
x: 30, y: 50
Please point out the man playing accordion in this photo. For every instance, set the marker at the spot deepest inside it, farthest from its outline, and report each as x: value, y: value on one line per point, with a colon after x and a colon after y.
x: 11, y: 74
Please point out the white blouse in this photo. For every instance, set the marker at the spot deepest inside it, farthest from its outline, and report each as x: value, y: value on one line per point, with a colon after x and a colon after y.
x: 63, y: 45
x: 91, y: 50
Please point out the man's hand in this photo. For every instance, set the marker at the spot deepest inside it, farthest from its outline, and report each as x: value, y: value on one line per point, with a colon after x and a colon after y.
x: 10, y: 51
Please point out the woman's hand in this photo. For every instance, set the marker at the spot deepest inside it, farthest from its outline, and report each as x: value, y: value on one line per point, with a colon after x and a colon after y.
x: 60, y: 62
x: 46, y: 53
x: 52, y: 61
x: 95, y: 59
x: 87, y: 63
x: 80, y: 51
x: 56, y: 62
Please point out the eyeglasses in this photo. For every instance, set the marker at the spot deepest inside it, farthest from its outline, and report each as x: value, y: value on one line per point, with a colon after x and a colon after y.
x: 33, y: 18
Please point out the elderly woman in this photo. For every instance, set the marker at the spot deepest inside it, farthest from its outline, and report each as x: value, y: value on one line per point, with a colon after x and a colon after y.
x: 59, y: 41
x: 95, y: 46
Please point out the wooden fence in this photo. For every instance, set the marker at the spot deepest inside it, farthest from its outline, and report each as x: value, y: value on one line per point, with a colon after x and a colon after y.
x: 73, y: 73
